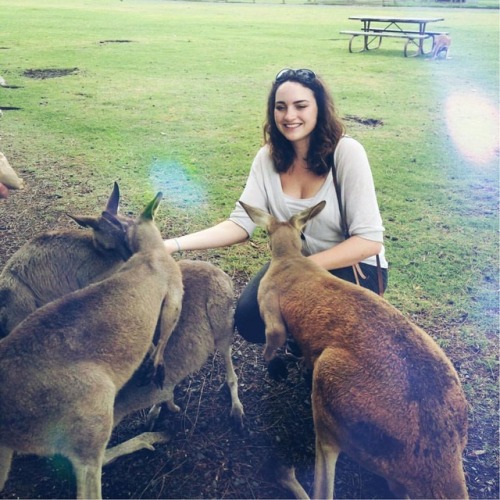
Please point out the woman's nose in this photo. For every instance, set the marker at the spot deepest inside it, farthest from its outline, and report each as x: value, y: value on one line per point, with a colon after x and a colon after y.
x: 290, y: 114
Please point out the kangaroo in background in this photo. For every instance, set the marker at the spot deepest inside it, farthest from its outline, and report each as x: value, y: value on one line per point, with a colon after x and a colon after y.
x: 441, y: 46
x: 206, y: 323
x: 62, y: 367
x: 383, y: 391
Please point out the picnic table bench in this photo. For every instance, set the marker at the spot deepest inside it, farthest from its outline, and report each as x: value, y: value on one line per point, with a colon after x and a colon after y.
x: 393, y: 27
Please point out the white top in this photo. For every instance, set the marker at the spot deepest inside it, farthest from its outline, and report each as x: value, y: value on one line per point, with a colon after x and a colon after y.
x: 263, y: 190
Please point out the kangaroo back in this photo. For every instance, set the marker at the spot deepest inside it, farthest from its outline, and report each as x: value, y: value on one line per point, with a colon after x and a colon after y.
x: 56, y: 263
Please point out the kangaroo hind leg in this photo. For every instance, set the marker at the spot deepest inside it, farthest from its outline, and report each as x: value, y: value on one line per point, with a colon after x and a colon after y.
x: 327, y: 447
x: 237, y: 412
x: 6, y: 455
x: 146, y: 440
x: 327, y: 454
x: 87, y: 426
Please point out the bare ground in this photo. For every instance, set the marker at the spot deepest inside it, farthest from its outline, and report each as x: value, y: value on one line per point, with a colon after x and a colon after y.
x: 206, y: 457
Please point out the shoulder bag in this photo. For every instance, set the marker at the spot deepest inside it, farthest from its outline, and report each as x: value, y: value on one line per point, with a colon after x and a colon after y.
x: 358, y: 273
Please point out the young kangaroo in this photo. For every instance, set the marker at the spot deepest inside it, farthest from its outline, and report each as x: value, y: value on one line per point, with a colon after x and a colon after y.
x: 441, y: 46
x: 383, y: 391
x: 59, y: 262
x: 62, y: 367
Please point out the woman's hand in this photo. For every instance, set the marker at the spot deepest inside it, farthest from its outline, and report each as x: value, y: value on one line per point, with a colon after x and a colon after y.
x: 4, y: 191
x: 170, y: 245
x: 221, y: 235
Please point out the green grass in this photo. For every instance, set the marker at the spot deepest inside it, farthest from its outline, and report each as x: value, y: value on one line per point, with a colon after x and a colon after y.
x: 189, y: 88
x: 179, y: 107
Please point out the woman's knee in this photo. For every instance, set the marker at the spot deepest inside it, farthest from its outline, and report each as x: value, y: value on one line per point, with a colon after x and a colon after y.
x: 247, y: 315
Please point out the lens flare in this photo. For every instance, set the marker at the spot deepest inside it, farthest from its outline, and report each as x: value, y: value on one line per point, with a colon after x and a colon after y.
x: 473, y: 124
x: 171, y: 178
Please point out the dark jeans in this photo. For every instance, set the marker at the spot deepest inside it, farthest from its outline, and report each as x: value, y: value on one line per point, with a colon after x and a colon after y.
x: 247, y: 316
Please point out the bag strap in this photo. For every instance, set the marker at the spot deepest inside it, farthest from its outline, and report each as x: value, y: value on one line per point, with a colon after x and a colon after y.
x: 345, y: 232
x: 380, y: 278
x: 343, y: 222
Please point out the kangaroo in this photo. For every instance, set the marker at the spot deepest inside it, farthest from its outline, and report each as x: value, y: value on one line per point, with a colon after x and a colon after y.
x: 206, y: 323
x: 62, y: 367
x: 441, y: 46
x: 383, y: 391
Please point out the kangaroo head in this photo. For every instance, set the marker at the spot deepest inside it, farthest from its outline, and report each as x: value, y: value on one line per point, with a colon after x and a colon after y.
x: 108, y: 236
x: 143, y: 233
x: 284, y: 236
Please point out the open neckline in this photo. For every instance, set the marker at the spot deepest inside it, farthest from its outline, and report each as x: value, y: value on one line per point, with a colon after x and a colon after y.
x: 296, y: 199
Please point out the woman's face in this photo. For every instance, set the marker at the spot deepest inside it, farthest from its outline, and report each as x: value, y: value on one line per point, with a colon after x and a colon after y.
x: 295, y: 112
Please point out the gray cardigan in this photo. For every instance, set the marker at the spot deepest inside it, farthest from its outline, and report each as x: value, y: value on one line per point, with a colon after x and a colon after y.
x: 263, y: 190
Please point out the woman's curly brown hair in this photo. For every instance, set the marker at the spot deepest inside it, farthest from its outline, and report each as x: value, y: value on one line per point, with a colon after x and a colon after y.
x: 324, y: 138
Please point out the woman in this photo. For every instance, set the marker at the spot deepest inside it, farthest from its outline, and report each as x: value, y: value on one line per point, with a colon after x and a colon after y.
x: 304, y: 139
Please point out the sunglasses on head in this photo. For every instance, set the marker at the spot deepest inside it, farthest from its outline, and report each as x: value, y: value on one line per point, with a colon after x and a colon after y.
x: 302, y: 75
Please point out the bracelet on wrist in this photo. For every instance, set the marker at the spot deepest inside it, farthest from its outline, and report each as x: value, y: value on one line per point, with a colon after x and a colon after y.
x: 179, y: 249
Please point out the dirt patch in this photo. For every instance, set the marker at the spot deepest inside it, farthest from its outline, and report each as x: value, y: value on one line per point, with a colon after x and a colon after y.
x: 368, y: 122
x: 42, y: 74
x: 115, y: 41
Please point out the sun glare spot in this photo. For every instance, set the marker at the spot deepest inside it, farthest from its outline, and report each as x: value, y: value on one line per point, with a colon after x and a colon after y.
x: 473, y: 124
x: 170, y: 177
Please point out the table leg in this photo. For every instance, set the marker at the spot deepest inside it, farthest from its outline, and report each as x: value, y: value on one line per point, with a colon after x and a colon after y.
x: 421, y: 41
x: 367, y: 41
x: 412, y: 43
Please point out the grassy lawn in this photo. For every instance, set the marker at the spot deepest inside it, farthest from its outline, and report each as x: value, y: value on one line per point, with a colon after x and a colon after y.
x: 170, y: 96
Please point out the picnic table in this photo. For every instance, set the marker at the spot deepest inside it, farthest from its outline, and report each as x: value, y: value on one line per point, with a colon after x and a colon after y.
x: 413, y: 29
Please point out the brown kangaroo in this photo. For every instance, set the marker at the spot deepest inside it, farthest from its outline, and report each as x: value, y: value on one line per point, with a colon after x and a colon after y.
x: 383, y: 391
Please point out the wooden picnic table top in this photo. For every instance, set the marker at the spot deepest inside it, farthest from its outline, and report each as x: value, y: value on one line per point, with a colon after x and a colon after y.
x: 389, y: 19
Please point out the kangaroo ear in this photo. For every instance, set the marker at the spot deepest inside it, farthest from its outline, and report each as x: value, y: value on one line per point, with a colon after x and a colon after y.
x: 261, y: 218
x: 151, y: 208
x: 300, y: 220
x: 114, y: 200
x: 111, y: 208
x: 112, y: 220
x: 83, y: 221
x: 112, y: 235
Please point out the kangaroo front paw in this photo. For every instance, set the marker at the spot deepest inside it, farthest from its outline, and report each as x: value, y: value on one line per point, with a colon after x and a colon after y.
x: 173, y: 407
x: 145, y: 373
x: 159, y: 376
